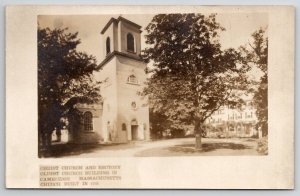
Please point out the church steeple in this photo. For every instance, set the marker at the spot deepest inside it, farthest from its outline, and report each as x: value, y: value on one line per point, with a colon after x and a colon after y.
x: 121, y: 37
x: 125, y: 114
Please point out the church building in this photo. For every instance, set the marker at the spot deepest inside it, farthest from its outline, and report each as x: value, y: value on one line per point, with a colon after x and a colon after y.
x: 123, y: 115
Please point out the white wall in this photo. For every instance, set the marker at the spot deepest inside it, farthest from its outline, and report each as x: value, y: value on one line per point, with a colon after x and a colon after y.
x: 127, y: 93
x: 109, y: 94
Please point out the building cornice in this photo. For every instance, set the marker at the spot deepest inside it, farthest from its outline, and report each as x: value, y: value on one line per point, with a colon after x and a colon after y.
x: 120, y: 18
x: 117, y: 53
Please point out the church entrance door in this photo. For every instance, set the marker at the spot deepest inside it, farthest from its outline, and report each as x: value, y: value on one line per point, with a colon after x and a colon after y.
x: 134, y: 132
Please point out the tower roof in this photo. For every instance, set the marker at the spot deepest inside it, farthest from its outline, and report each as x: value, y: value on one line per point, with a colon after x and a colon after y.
x: 116, y: 53
x: 120, y: 18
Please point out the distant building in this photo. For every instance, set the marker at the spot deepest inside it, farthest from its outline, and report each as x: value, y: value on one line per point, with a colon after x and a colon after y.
x: 233, y: 122
x: 123, y: 115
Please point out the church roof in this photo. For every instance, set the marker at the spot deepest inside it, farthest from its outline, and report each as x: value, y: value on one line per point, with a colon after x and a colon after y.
x: 115, y: 53
x: 120, y: 18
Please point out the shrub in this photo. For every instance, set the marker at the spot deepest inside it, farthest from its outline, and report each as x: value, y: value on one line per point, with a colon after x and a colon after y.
x: 262, y: 146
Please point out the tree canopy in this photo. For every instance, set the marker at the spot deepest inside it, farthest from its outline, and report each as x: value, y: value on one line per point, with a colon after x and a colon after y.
x: 64, y: 77
x: 256, y: 54
x: 191, y: 76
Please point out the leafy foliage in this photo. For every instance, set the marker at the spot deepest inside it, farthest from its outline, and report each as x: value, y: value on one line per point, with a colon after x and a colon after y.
x: 262, y: 146
x: 159, y: 124
x: 257, y: 55
x: 191, y: 76
x: 64, y: 77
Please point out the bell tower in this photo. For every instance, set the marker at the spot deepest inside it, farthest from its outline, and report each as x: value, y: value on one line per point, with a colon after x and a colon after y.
x: 121, y: 35
x: 125, y: 114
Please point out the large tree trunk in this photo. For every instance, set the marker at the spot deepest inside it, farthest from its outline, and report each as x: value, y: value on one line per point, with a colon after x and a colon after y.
x: 197, y: 131
x: 198, y: 144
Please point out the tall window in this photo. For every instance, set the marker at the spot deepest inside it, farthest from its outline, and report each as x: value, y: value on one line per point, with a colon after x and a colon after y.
x: 107, y: 45
x: 130, y: 42
x: 132, y: 79
x: 88, y: 121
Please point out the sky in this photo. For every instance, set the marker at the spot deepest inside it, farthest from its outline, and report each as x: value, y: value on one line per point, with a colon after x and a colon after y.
x: 239, y: 27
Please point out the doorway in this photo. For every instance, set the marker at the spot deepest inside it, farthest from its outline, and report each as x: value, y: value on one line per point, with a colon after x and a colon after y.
x: 134, y: 132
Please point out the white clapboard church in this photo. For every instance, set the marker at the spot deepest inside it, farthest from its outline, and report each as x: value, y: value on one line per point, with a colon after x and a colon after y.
x: 123, y: 115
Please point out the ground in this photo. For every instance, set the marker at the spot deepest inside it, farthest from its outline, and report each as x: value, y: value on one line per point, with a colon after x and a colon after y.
x: 160, y: 148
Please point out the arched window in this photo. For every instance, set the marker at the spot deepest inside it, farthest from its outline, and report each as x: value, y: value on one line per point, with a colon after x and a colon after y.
x: 133, y: 105
x: 107, y: 45
x: 88, y: 121
x: 130, y: 42
x: 123, y: 127
x: 132, y: 79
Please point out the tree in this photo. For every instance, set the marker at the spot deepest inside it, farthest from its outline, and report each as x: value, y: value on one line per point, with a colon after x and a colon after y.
x: 191, y: 76
x: 159, y: 124
x: 256, y: 54
x: 64, y: 79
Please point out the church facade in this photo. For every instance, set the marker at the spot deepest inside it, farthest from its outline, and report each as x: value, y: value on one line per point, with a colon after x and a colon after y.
x: 123, y: 115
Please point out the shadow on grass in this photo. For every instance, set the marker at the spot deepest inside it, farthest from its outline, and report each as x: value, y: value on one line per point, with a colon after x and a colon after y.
x: 189, y: 150
x: 61, y: 150
x: 207, y: 147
